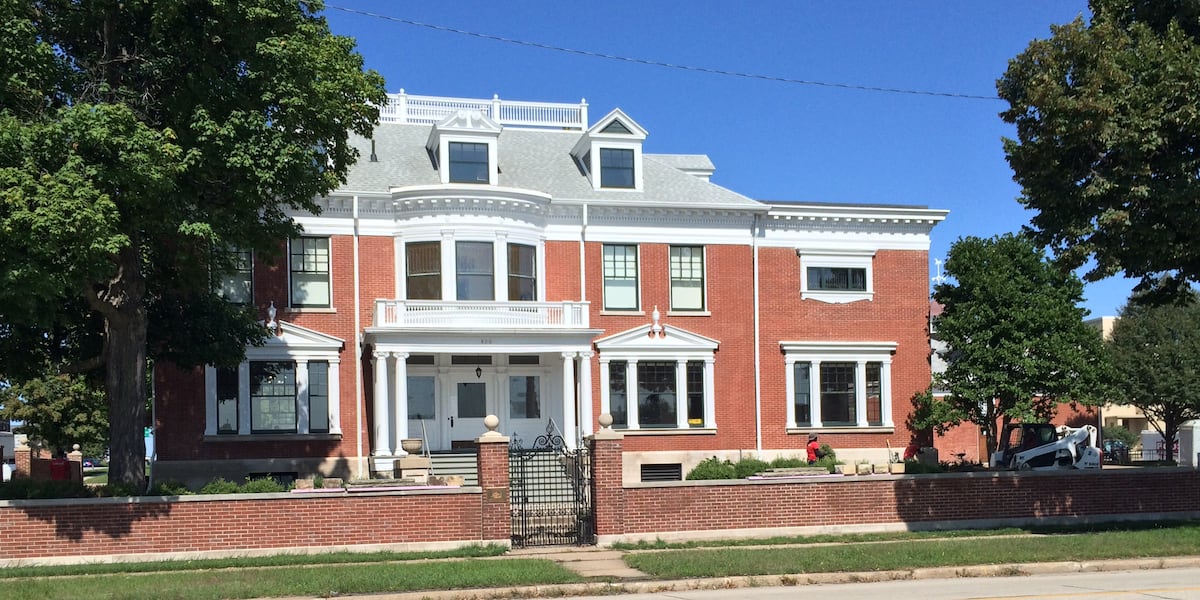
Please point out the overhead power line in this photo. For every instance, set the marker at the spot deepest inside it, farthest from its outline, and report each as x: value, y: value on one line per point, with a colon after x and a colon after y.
x: 655, y: 63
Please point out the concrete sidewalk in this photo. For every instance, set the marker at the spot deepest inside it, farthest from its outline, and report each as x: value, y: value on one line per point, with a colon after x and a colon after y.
x: 588, y: 561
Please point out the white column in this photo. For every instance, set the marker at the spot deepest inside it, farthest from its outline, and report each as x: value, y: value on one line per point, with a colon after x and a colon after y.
x: 568, y: 395
x: 244, y: 398
x: 335, y: 398
x: 860, y: 393
x: 380, y: 422
x: 210, y: 400
x: 302, y: 407
x: 814, y: 393
x: 449, y: 266
x: 710, y: 393
x: 631, y: 394
x: 681, y: 399
x: 789, y: 390
x: 500, y: 267
x: 885, y: 393
x: 585, y: 393
x: 605, y: 398
x: 400, y: 406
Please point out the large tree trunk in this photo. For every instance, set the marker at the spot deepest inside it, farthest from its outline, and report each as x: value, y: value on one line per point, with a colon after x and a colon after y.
x: 122, y: 302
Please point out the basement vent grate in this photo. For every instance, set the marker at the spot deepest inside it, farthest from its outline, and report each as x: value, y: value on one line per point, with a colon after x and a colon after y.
x: 662, y: 472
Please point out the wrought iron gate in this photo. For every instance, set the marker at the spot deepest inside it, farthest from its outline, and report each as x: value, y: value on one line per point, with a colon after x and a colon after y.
x: 550, y: 493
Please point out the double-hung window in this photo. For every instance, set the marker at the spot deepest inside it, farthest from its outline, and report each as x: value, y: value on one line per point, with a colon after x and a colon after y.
x: 272, y: 397
x: 468, y: 162
x: 310, y: 272
x: 687, y: 278
x: 475, y: 271
x: 620, y: 277
x: 616, y: 168
x: 423, y: 263
x: 646, y: 386
x: 839, y: 384
x: 522, y: 272
x: 236, y: 286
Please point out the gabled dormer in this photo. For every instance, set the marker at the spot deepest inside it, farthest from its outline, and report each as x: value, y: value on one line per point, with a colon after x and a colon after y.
x: 464, y: 147
x: 610, y: 153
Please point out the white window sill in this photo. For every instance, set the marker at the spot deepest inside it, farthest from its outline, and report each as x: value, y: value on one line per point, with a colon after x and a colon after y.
x: 689, y: 313
x: 329, y: 311
x: 273, y: 437
x: 841, y: 429
x: 622, y: 312
x: 665, y: 431
x: 837, y: 297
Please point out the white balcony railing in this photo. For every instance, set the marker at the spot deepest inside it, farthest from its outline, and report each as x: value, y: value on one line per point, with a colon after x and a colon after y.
x: 428, y: 110
x: 460, y: 315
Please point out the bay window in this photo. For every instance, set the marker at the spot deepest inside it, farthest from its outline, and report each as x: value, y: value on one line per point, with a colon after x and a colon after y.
x: 839, y: 384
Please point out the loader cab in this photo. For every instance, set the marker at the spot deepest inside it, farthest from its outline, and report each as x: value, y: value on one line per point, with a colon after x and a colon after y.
x: 1019, y: 437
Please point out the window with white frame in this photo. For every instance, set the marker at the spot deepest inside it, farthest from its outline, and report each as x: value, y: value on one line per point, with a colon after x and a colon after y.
x: 524, y: 397
x: 620, y: 276
x: 310, y: 272
x: 423, y: 261
x: 475, y: 271
x: 237, y: 285
x: 272, y: 397
x: 522, y: 272
x: 651, y: 381
x: 616, y: 168
x: 687, y: 278
x: 468, y: 162
x: 839, y: 384
x: 836, y: 277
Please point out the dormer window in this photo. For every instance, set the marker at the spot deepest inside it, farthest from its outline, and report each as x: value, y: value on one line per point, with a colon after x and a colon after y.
x: 610, y: 153
x: 468, y: 162
x: 616, y: 168
x: 463, y: 147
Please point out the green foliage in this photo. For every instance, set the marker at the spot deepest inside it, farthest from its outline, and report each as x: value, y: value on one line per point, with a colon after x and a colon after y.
x: 1116, y: 432
x: 788, y: 462
x: 30, y: 489
x: 220, y: 486
x: 1155, y: 351
x: 169, y: 488
x: 712, y: 468
x: 1107, y: 114
x: 136, y: 140
x: 914, y: 467
x: 58, y: 411
x: 263, y: 485
x: 1015, y: 343
x: 748, y: 467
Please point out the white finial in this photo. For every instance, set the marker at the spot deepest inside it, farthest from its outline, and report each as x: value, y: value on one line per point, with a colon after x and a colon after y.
x: 656, y: 328
x: 271, y: 312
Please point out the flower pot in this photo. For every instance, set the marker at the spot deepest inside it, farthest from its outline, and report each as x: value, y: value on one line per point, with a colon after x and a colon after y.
x: 411, y: 445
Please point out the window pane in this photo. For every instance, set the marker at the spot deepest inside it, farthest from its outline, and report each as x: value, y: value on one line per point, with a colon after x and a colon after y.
x: 522, y: 272
x: 687, y: 278
x: 423, y: 262
x: 474, y: 271
x: 318, y: 397
x: 616, y: 168
x: 656, y: 394
x: 420, y: 398
x: 468, y: 162
x: 837, y: 279
x: 837, y: 393
x: 524, y: 400
x: 874, y: 400
x: 310, y: 272
x: 272, y: 397
x: 227, y: 400
x: 617, y: 397
x: 472, y: 400
x: 802, y: 393
x: 620, y: 277
x: 695, y: 393
x: 237, y: 286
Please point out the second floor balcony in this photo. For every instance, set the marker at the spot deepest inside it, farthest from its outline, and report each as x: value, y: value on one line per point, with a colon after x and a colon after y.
x: 469, y: 315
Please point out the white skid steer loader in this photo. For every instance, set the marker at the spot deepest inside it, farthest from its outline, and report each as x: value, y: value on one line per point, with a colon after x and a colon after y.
x: 1042, y: 446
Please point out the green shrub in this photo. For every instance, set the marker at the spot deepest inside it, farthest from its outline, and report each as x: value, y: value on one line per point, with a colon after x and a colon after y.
x: 220, y: 486
x: 827, y: 452
x: 318, y: 481
x: 913, y: 467
x: 29, y: 489
x: 170, y: 488
x: 749, y: 466
x: 263, y: 485
x: 829, y: 461
x: 712, y: 468
x: 1116, y: 432
x: 790, y: 462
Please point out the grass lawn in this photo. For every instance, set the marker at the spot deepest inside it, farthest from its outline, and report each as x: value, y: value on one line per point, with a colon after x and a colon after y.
x: 1138, y: 541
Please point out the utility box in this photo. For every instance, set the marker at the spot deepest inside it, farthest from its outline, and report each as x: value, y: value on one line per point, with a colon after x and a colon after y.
x: 1189, y: 444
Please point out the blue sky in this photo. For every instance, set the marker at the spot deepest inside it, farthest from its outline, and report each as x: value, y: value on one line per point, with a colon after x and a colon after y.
x: 770, y: 140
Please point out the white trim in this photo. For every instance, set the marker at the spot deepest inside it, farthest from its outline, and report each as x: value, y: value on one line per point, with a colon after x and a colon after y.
x: 675, y: 345
x: 847, y: 259
x: 860, y: 353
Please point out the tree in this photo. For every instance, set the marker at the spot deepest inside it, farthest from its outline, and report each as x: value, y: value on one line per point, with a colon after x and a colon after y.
x: 1107, y: 153
x: 139, y: 141
x: 1155, y: 352
x: 1016, y: 343
x: 58, y: 411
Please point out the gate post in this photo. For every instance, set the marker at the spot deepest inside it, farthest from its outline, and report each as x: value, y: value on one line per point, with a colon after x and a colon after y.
x: 608, y: 482
x: 496, y: 525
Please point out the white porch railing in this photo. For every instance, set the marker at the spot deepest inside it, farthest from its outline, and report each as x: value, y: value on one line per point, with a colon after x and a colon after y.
x: 480, y: 315
x: 428, y: 110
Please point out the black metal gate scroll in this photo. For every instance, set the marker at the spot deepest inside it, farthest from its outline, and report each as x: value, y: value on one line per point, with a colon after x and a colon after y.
x: 550, y: 493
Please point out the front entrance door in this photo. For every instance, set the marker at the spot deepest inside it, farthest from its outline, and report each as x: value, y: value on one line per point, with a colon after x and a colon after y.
x: 469, y: 402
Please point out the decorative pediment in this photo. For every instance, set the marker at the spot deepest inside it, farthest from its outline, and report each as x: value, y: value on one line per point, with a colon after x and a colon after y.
x: 647, y: 339
x: 469, y: 120
x: 617, y: 123
x: 293, y: 340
